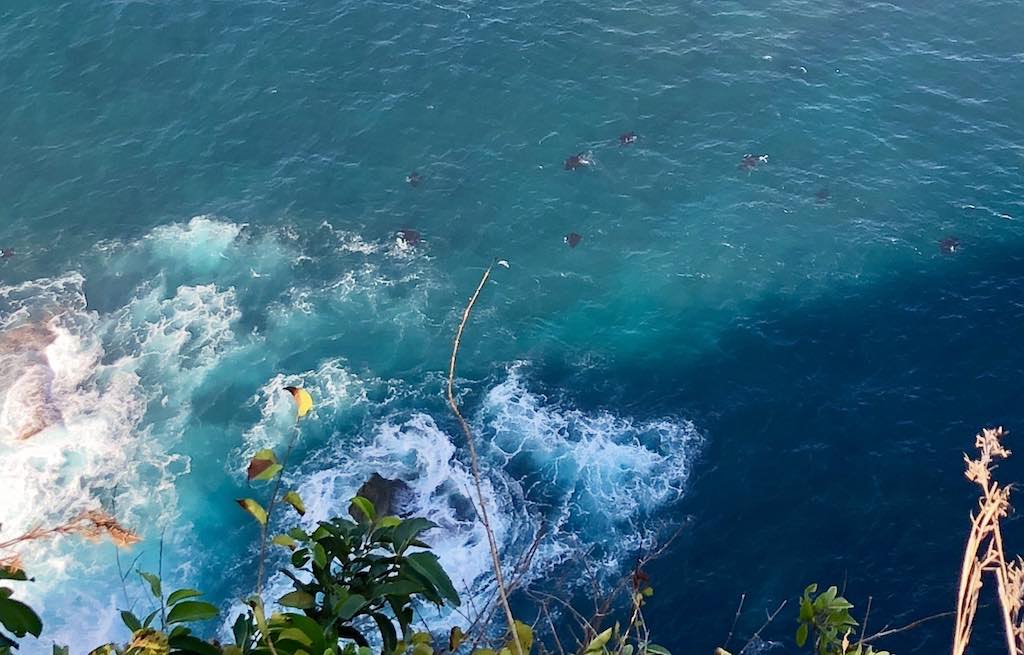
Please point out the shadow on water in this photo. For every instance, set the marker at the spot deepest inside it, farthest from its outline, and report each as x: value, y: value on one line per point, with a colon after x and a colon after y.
x: 835, y: 430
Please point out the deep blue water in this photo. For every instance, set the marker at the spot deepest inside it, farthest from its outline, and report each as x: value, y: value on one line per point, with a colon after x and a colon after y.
x: 203, y: 199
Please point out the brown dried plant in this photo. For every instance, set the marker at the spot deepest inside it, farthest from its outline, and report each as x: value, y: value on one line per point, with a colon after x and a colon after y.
x: 984, y: 552
x: 91, y: 524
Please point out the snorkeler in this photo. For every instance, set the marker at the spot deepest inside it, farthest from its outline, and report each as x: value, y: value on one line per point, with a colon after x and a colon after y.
x: 414, y: 178
x: 751, y: 161
x: 579, y: 160
x: 6, y: 253
x: 627, y: 138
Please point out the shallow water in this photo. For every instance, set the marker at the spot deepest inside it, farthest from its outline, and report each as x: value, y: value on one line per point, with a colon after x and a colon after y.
x: 203, y: 199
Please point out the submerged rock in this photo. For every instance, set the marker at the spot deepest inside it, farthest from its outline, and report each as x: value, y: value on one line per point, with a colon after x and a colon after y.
x: 386, y: 495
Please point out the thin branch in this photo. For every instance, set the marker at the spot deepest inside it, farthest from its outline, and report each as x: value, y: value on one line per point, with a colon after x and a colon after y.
x: 265, y: 528
x: 734, y: 620
x: 909, y: 626
x: 554, y: 632
x: 864, y: 628
x: 771, y: 617
x: 160, y: 576
x: 475, y: 465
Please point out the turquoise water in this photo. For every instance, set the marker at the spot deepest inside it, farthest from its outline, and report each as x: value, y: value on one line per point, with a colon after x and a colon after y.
x: 203, y: 199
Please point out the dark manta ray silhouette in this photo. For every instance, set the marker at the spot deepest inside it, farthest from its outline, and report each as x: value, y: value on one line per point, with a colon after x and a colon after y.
x: 821, y: 196
x: 949, y: 245
x: 573, y: 239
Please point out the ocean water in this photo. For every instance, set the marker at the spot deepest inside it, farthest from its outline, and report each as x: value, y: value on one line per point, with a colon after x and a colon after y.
x: 203, y: 200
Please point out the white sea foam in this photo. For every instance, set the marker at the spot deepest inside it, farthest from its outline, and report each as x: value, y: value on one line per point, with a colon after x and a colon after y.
x: 594, y: 480
x: 333, y: 388
x: 99, y: 382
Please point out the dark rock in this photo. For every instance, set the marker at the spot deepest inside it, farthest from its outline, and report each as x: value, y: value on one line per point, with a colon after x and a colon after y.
x: 385, y: 494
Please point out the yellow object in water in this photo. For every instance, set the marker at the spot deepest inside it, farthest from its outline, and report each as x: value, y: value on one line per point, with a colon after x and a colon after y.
x: 303, y: 401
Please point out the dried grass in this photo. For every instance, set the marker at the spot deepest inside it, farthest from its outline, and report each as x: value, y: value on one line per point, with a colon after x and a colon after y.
x: 92, y: 525
x: 984, y: 552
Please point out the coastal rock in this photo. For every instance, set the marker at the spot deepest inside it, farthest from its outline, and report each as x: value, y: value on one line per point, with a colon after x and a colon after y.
x: 385, y: 494
x: 27, y: 405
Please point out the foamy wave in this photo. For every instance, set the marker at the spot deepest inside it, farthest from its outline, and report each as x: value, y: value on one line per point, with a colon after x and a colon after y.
x: 198, y: 245
x: 611, y: 469
x: 98, y: 385
x: 592, y: 482
x: 333, y: 387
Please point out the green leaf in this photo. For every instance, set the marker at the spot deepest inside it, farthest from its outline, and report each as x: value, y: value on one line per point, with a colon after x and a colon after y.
x: 351, y: 606
x: 187, y: 644
x: 826, y: 598
x: 840, y: 604
x: 191, y: 610
x: 19, y: 618
x: 806, y: 610
x: 310, y: 628
x: 408, y: 530
x: 426, y: 564
x: 130, y: 621
x: 263, y: 466
x: 400, y: 588
x: 60, y: 650
x: 8, y: 573
x: 455, y: 638
x: 299, y: 599
x: 241, y: 630
x: 319, y: 556
x: 286, y: 541
x: 366, y: 507
x: 293, y: 499
x: 525, y: 634
x: 389, y: 522
x: 154, y: 583
x: 387, y: 631
x: 182, y: 594
x: 657, y: 650
x: 149, y: 618
x: 422, y: 649
x: 801, y: 635
x: 254, y: 508
x: 597, y: 644
x: 105, y: 649
x: 422, y: 638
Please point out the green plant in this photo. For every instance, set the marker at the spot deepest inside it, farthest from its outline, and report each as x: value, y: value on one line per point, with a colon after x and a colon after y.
x: 15, y: 616
x: 165, y: 630
x: 825, y: 619
x: 347, y: 571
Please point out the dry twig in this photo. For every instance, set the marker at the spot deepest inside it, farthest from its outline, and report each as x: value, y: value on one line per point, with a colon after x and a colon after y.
x: 475, y: 466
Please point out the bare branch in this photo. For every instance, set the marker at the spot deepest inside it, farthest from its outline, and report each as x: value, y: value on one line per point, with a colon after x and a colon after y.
x: 475, y: 465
